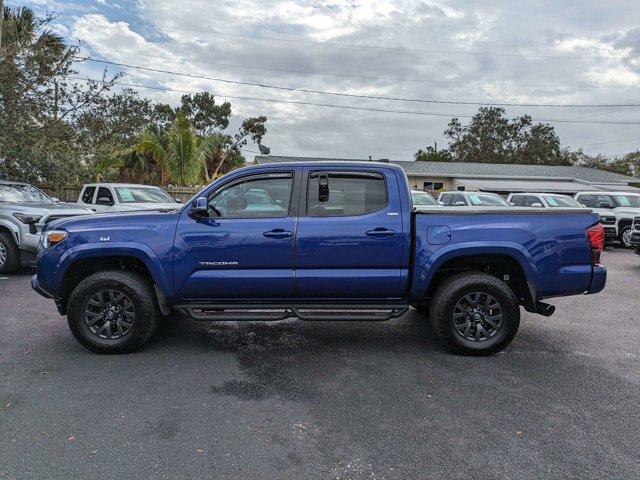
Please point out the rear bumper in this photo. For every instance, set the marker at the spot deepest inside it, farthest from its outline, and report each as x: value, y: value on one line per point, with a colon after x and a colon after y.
x: 598, y: 279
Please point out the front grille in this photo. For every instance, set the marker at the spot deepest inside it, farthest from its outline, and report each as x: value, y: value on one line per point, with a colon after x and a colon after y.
x: 608, y: 220
x: 636, y: 222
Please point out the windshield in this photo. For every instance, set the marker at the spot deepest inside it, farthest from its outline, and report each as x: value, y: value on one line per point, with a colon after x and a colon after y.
x: 22, y: 194
x: 561, y: 201
x: 487, y: 200
x: 628, y: 200
x: 142, y: 195
x: 422, y: 198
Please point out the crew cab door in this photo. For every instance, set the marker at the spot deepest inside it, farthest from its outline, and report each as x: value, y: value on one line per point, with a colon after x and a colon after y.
x: 244, y: 247
x: 349, y: 241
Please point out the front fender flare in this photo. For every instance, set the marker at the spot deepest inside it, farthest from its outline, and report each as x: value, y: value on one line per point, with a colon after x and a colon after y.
x: 15, y: 233
x: 140, y: 251
x: 425, y: 271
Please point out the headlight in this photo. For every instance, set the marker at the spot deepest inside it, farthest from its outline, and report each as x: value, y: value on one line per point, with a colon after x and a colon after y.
x: 27, y: 219
x: 52, y: 237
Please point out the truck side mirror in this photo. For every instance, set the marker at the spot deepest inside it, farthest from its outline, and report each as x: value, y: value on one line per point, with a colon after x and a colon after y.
x: 177, y: 200
x: 536, y: 205
x: 323, y: 187
x: 459, y: 204
x: 104, y: 201
x: 605, y: 205
x: 199, y: 207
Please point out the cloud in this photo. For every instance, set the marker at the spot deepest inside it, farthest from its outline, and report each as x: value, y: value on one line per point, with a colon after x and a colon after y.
x: 197, y: 36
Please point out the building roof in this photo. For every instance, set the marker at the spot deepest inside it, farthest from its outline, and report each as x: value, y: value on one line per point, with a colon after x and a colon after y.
x: 476, y: 170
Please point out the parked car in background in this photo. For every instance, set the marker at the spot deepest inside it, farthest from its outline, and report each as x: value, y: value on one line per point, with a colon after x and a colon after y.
x: 24, y: 212
x: 345, y: 243
x: 471, y: 199
x: 556, y: 200
x: 624, y: 205
x: 123, y: 197
x: 635, y: 235
x: 423, y: 199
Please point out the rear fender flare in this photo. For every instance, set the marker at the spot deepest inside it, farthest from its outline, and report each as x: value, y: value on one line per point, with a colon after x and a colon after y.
x: 425, y: 272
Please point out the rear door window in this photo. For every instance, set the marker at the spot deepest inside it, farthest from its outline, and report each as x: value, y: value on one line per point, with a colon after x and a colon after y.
x: 87, y: 195
x: 458, y: 199
x: 336, y: 194
x: 104, y: 192
x: 518, y: 200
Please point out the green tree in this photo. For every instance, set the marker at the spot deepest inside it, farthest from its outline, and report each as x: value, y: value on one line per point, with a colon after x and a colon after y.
x: 178, y: 151
x: 490, y: 137
x: 430, y: 154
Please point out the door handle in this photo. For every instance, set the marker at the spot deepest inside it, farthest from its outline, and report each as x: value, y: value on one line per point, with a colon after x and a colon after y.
x: 380, y: 232
x: 278, y: 233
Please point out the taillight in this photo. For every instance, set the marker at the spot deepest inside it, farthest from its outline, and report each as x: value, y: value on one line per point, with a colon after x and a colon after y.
x: 595, y: 236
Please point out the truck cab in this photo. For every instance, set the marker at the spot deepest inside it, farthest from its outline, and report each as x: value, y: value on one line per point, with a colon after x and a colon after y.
x: 317, y: 241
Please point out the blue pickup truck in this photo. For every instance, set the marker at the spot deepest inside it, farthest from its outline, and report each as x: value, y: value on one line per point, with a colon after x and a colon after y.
x: 317, y: 241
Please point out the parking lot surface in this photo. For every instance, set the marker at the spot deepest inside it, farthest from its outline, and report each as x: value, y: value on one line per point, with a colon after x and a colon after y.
x: 325, y: 400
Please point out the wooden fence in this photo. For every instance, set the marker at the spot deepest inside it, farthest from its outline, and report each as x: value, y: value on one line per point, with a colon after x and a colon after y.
x: 71, y: 193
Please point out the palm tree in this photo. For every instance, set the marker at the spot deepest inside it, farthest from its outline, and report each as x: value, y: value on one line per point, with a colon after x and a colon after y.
x: 178, y: 151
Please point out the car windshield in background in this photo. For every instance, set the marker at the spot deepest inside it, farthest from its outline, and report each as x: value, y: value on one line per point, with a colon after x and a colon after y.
x: 628, y: 200
x: 559, y: 201
x: 422, y: 198
x: 486, y: 200
x: 142, y: 195
x: 22, y: 194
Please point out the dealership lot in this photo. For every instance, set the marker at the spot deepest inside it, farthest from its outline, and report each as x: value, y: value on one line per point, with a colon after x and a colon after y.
x: 326, y: 400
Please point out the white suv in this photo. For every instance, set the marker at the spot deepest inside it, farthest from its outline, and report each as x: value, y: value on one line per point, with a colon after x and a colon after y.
x: 624, y: 205
x: 556, y: 200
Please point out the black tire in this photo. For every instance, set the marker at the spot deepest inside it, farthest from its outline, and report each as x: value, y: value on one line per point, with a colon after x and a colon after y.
x: 624, y: 231
x: 10, y: 260
x: 447, y: 298
x: 140, y: 293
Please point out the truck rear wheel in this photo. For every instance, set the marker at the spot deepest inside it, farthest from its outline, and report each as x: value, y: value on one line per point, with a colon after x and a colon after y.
x: 9, y: 254
x: 475, y: 313
x: 113, y: 311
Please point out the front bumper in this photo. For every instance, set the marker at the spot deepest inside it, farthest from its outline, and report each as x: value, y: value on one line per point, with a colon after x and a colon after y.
x: 635, y: 241
x: 35, y: 284
x: 610, y: 234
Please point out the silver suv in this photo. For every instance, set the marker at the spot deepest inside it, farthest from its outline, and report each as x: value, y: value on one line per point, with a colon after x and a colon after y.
x: 24, y: 211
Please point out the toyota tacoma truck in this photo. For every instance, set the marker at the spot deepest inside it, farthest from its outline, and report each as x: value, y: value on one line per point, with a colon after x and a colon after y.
x: 317, y: 241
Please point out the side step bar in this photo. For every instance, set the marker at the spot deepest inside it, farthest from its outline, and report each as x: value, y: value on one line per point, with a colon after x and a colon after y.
x: 349, y: 313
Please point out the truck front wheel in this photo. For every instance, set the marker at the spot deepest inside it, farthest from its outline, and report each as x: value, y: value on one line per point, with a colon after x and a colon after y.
x: 475, y: 313
x: 113, y: 311
x: 9, y: 255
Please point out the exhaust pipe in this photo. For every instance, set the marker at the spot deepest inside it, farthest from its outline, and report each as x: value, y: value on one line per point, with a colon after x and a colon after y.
x: 545, y: 309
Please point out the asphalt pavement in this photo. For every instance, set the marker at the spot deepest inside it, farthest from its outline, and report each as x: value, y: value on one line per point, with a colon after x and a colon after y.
x: 330, y: 400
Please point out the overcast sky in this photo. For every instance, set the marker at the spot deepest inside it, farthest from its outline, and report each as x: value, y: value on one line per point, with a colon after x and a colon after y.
x: 548, y: 52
